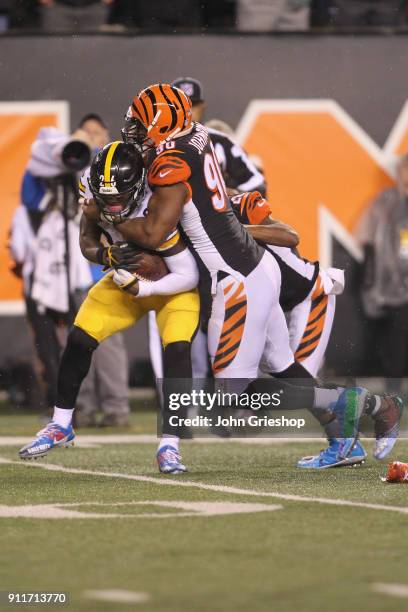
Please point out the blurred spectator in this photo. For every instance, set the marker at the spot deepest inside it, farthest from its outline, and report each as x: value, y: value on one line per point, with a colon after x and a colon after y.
x: 267, y: 15
x: 5, y: 6
x: 157, y: 15
x: 96, y: 129
x: 359, y: 13
x: 219, y: 13
x: 383, y: 234
x: 24, y: 14
x: 37, y: 246
x: 74, y: 15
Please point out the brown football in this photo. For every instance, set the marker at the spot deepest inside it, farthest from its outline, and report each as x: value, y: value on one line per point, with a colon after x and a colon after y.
x: 150, y: 267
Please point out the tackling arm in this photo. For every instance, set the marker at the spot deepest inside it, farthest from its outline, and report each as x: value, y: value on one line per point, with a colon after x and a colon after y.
x: 274, y: 232
x: 163, y: 213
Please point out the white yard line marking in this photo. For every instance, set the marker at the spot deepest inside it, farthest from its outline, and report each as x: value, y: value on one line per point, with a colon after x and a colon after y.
x: 396, y: 590
x: 67, y: 511
x: 178, y: 482
x: 117, y: 596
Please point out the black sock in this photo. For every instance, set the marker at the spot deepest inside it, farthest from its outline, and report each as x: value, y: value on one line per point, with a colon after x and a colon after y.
x: 75, y: 363
x: 177, y: 379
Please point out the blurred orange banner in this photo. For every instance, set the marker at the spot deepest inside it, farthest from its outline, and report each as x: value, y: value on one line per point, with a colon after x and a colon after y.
x: 322, y: 168
x: 19, y: 125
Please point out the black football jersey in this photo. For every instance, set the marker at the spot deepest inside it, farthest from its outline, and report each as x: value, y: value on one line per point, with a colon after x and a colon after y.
x: 238, y: 170
x: 208, y: 221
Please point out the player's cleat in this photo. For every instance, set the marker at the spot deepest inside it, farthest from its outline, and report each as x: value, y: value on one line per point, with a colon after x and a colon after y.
x: 386, y: 424
x: 50, y: 437
x: 333, y: 456
x: 348, y: 409
x: 169, y: 461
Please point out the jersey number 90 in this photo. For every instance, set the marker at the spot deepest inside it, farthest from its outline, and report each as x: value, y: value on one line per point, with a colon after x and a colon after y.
x: 215, y: 182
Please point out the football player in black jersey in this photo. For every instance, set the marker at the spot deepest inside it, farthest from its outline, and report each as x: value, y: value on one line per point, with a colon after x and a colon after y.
x: 188, y: 189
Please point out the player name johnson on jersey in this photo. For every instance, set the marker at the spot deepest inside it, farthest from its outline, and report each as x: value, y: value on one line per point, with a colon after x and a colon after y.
x: 207, y: 220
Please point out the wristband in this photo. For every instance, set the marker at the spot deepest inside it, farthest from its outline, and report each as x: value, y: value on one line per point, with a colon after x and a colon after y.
x: 100, y: 255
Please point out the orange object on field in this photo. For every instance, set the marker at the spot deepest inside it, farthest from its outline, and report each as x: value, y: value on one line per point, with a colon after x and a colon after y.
x: 397, y: 472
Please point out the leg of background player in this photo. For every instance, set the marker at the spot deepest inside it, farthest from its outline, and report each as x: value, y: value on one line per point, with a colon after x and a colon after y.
x: 155, y: 352
x: 113, y: 390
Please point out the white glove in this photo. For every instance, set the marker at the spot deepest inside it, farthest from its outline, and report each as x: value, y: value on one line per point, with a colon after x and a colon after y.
x: 126, y: 281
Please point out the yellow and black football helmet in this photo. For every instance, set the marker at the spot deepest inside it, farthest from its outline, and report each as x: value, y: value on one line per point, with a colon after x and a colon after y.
x: 117, y: 180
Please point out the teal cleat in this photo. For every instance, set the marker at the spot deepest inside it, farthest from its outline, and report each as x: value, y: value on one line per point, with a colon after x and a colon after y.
x: 349, y: 409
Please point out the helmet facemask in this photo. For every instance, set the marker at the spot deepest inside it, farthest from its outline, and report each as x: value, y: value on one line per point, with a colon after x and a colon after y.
x: 135, y: 133
x: 117, y: 207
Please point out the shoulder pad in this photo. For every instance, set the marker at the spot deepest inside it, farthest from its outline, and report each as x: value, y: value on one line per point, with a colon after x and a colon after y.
x: 168, y: 169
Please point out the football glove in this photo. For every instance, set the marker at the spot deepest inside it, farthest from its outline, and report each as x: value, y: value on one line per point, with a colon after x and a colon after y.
x: 125, y: 281
x: 119, y: 255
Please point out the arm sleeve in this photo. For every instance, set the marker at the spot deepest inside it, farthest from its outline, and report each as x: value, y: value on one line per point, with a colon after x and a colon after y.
x: 183, y: 276
x: 168, y: 169
x: 251, y: 208
x: 32, y: 191
x: 21, y: 235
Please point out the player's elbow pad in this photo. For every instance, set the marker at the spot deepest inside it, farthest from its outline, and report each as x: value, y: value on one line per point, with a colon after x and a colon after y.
x: 183, y: 276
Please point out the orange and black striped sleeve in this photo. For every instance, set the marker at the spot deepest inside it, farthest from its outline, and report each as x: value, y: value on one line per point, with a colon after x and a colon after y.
x: 168, y: 169
x: 251, y: 208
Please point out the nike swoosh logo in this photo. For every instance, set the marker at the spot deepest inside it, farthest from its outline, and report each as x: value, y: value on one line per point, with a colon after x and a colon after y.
x: 163, y: 174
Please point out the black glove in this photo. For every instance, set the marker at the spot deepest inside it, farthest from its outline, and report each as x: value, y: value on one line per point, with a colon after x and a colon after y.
x: 120, y: 255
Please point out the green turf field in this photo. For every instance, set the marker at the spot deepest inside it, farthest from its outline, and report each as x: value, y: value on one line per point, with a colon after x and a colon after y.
x: 290, y: 544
